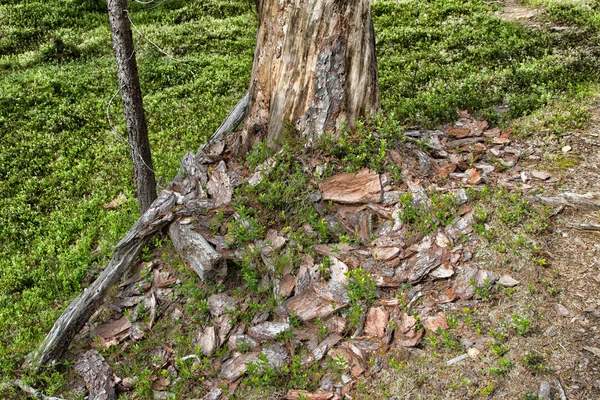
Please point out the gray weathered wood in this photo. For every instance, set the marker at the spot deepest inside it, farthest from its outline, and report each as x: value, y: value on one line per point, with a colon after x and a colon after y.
x: 81, y: 309
x: 168, y: 206
x: 587, y: 200
x: 215, y: 146
x: 201, y: 256
x: 584, y: 227
x: 32, y: 391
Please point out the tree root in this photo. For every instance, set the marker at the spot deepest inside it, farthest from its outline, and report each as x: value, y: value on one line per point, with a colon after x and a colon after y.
x: 583, y: 227
x: 177, y: 201
x: 588, y: 200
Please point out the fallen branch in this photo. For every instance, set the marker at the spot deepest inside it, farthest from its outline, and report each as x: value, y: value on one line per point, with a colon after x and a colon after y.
x: 583, y: 227
x: 216, y: 144
x: 32, y: 391
x: 588, y: 200
x: 170, y: 205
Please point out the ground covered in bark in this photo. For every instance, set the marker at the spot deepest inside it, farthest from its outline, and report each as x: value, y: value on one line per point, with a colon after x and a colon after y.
x: 414, y: 260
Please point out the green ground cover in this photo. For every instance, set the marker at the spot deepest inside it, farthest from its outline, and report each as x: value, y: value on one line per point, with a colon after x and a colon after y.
x: 60, y: 162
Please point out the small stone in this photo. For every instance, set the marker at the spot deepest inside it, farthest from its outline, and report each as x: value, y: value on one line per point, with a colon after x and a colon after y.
x: 473, y: 353
x: 566, y: 149
x: 562, y: 310
x: 508, y: 281
x: 550, y: 331
x: 544, y: 393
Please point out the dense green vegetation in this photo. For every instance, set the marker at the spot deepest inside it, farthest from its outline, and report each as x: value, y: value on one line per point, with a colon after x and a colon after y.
x: 60, y: 161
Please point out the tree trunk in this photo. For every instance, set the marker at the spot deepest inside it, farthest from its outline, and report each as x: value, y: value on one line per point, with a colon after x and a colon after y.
x: 131, y: 96
x: 314, y: 65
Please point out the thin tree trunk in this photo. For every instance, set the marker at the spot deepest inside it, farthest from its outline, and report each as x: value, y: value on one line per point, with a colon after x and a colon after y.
x: 314, y: 65
x: 131, y: 96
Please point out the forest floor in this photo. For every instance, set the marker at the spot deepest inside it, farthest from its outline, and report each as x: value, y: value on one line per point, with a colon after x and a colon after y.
x: 559, y: 296
x: 511, y: 307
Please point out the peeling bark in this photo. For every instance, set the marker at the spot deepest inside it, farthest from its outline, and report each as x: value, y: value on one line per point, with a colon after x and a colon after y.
x: 314, y: 65
x: 97, y: 374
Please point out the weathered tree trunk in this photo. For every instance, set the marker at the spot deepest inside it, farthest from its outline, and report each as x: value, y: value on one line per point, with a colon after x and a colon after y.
x: 314, y: 65
x: 131, y: 96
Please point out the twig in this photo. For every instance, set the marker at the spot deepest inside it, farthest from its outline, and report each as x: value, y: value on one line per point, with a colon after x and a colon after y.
x: 32, y: 391
x: 561, y: 390
x: 557, y: 211
x: 583, y: 227
x: 588, y: 200
x: 151, y: 42
x: 191, y: 357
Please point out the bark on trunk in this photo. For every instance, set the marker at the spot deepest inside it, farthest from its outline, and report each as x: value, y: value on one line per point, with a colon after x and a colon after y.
x: 314, y: 65
x: 131, y: 96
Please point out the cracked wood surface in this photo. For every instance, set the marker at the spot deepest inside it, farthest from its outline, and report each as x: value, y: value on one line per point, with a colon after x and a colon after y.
x: 315, y: 68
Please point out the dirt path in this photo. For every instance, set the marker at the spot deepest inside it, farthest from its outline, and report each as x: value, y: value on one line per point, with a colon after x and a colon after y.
x: 514, y: 11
